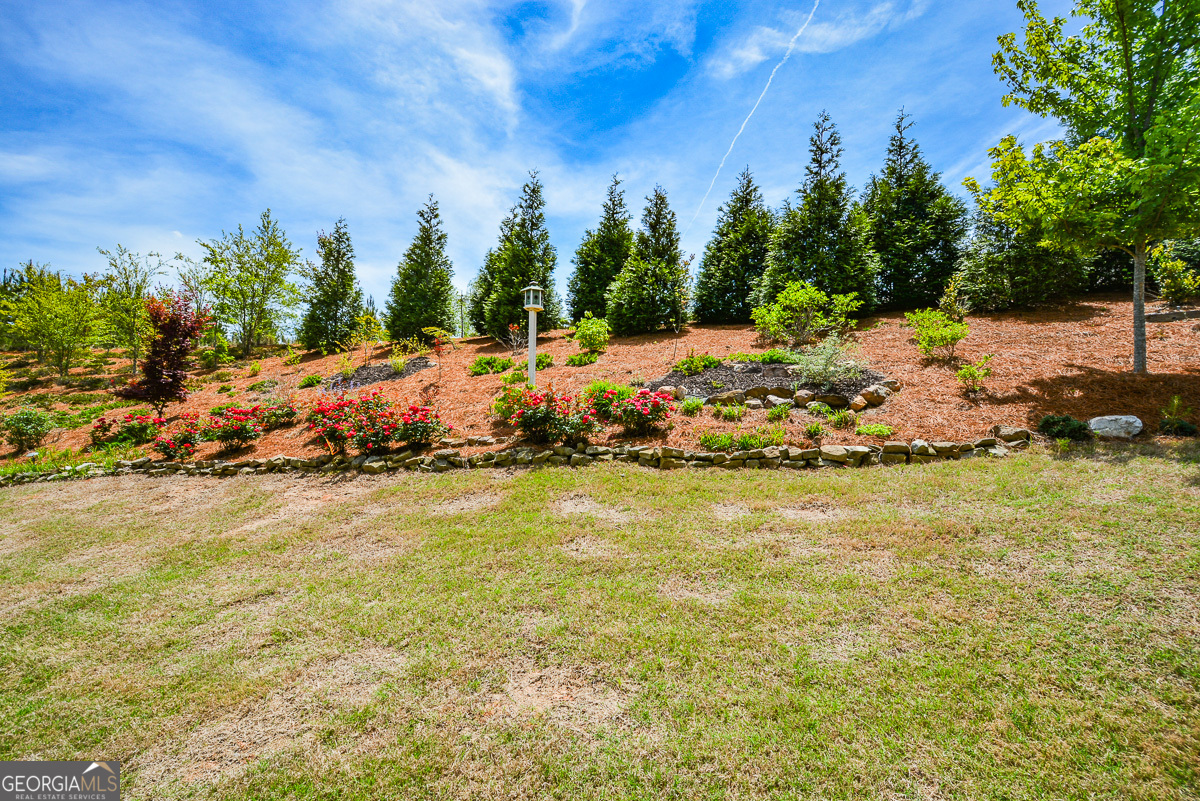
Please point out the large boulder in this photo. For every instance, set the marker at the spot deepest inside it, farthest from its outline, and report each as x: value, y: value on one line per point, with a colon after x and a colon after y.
x: 833, y: 401
x: 771, y: 401
x: 1115, y: 426
x: 875, y: 394
x: 1011, y: 433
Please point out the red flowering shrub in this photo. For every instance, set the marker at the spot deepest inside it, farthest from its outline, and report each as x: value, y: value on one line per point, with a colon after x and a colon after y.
x: 132, y: 429
x: 233, y: 428
x: 543, y: 416
x: 643, y: 411
x: 421, y: 425
x: 182, y: 444
x: 330, y: 420
x: 277, y: 416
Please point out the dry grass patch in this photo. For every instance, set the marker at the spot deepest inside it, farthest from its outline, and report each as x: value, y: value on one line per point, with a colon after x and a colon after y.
x: 584, y: 505
x: 702, y: 591
x: 465, y: 504
x: 589, y: 547
x: 570, y: 696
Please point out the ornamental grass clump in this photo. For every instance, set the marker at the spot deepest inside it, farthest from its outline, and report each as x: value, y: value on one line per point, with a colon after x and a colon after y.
x: 642, y: 412
x: 544, y: 416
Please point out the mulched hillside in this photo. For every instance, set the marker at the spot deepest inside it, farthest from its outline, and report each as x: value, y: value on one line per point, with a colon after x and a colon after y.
x: 1072, y: 359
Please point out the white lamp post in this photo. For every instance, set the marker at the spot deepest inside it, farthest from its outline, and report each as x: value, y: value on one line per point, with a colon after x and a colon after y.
x: 533, y: 305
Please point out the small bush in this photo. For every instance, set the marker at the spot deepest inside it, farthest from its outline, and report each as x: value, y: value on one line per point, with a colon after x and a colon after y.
x: 421, y: 426
x: 221, y: 375
x: 182, y: 444
x: 367, y: 423
x: 694, y: 365
x: 591, y: 334
x: 345, y: 366
x: 1174, y: 421
x: 214, y: 357
x: 515, y: 377
x: 827, y: 363
x: 277, y: 415
x: 953, y: 303
x: 779, y: 414
x: 875, y: 430
x: 310, y: 381
x: 293, y: 357
x: 818, y: 409
x: 132, y: 429
x: 263, y: 386
x: 972, y: 376
x: 935, y: 333
x: 544, y: 361
x: 543, y: 416
x: 766, y: 437
x: 814, y: 431
x: 601, y: 395
x: 224, y: 389
x: 729, y: 412
x: 505, y: 404
x: 233, y: 428
x: 1177, y: 283
x: 691, y: 407
x: 843, y: 418
x: 802, y: 314
x: 486, y: 365
x: 1063, y: 426
x: 641, y: 412
x: 255, y: 369
x: 582, y: 359
x: 27, y: 429
x: 772, y: 356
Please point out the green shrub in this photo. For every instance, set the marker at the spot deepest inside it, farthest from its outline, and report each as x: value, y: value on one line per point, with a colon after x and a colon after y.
x: 596, y: 394
x: 779, y: 414
x: 224, y: 388
x: 814, y: 431
x: 694, y: 365
x: 875, y: 430
x: 263, y: 386
x: 642, y: 412
x: 716, y: 441
x: 827, y: 362
x: 543, y: 416
x: 765, y: 437
x: 485, y: 365
x: 818, y: 409
x: 214, y: 357
x: 1174, y: 421
x: 310, y: 381
x: 582, y: 359
x: 1063, y: 426
x: 772, y: 356
x: 691, y: 407
x: 515, y: 377
x: 843, y: 418
x: 972, y: 376
x: 27, y: 428
x: 729, y: 412
x: 544, y: 361
x: 935, y: 333
x: 255, y: 369
x: 591, y: 334
x: 1177, y: 282
x: 505, y: 404
x: 802, y: 313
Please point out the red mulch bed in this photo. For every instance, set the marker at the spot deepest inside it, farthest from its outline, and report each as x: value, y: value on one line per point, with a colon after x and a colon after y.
x: 1070, y: 359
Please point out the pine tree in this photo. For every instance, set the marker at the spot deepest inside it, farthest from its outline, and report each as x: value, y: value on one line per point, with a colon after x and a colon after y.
x: 523, y: 256
x: 917, y: 226
x: 651, y: 291
x: 735, y: 257
x: 824, y: 240
x: 422, y: 295
x: 335, y: 298
x: 601, y: 256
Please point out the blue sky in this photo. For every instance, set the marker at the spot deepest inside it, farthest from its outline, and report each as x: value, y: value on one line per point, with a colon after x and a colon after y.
x: 153, y: 124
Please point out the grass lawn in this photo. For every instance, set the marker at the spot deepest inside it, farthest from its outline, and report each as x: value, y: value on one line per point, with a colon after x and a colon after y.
x: 1016, y: 629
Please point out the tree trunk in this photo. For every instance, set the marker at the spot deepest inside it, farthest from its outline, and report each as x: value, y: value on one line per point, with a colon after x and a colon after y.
x: 1139, y: 308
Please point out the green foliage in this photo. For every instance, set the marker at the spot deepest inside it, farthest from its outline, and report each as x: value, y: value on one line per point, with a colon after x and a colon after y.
x: 292, y: 357
x: 973, y: 376
x: 729, y: 412
x: 953, y: 303
x: 695, y: 364
x: 759, y: 438
x: 335, y: 300
x: 843, y: 418
x: 716, y: 441
x: 691, y: 407
x: 483, y: 365
x: 57, y: 316
x: 917, y: 225
x: 544, y: 360
x: 652, y: 291
x: 582, y: 359
x: 310, y: 381
x: 523, y: 256
x: 263, y: 386
x: 1005, y: 267
x: 880, y: 430
x: 814, y: 431
x: 597, y: 395
x: 779, y: 413
x: 515, y: 377
x: 224, y: 389
x: 826, y: 363
x: 1063, y: 426
x: 547, y: 417
x: 591, y: 333
x: 1177, y: 283
x: 254, y: 369
x: 215, y: 356
x: 802, y: 313
x: 735, y: 257
x: 250, y: 281
x: 1174, y: 420
x: 818, y: 409
x: 125, y: 288
x: 772, y: 356
x: 422, y: 293
x: 345, y: 366
x: 504, y: 406
x: 824, y: 240
x: 26, y: 428
x: 600, y: 258
x: 936, y: 334
x: 642, y: 412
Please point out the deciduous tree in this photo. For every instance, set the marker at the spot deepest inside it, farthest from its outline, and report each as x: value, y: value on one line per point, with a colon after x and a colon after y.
x: 123, y: 298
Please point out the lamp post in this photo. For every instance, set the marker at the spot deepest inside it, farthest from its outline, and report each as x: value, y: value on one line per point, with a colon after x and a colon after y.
x: 533, y: 305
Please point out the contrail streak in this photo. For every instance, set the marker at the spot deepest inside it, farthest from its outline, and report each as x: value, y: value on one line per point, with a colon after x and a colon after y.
x: 791, y: 46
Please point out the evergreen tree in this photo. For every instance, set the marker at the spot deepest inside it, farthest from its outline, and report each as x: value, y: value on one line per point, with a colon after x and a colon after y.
x: 601, y: 256
x: 823, y: 241
x: 523, y: 256
x: 917, y: 226
x: 335, y: 298
x: 735, y: 257
x: 422, y: 295
x: 651, y: 291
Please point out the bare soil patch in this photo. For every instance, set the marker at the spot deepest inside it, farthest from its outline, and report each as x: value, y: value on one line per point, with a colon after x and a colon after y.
x: 585, y: 505
x: 705, y: 592
x: 588, y: 547
x: 571, y: 696
x: 475, y: 502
